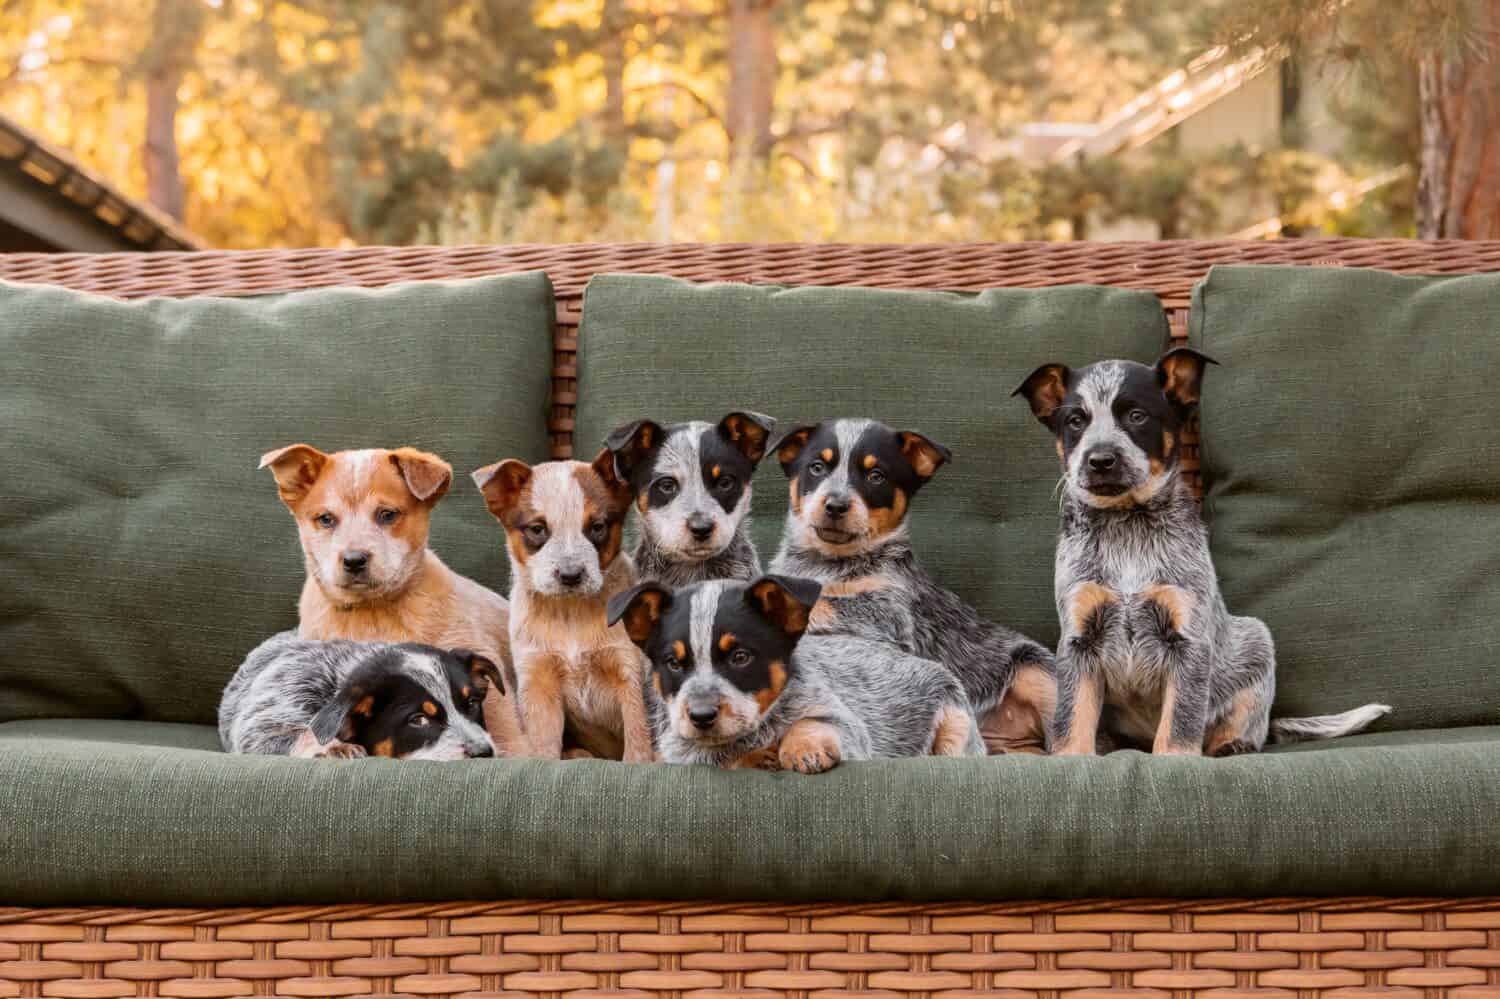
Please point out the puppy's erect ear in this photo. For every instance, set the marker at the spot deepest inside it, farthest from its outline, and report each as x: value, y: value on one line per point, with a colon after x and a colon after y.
x: 296, y: 467
x: 641, y: 608
x: 748, y: 432
x: 631, y: 443
x: 502, y: 484
x: 926, y: 455
x: 790, y: 444
x: 618, y: 486
x: 1045, y: 388
x: 1179, y: 372
x: 426, y: 475
x: 785, y: 601
x: 481, y: 668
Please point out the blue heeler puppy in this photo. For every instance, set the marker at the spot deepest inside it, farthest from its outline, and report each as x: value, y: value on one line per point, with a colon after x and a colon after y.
x: 1145, y: 633
x: 691, y: 483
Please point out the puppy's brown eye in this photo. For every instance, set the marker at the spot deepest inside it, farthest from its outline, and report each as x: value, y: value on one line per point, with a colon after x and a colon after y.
x: 817, y: 468
x: 325, y: 520
x: 740, y: 658
x: 536, y: 533
x: 724, y: 483
x: 419, y: 720
x: 1136, y: 417
x: 598, y: 530
x: 875, y: 477
x: 1077, y: 422
x: 673, y: 664
x: 667, y: 486
x: 385, y: 516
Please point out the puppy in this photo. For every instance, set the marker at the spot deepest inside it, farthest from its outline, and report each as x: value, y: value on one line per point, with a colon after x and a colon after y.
x: 1144, y: 629
x: 740, y: 685
x: 362, y: 517
x: 563, y: 522
x: 852, y: 482
x: 692, y: 489
x: 294, y: 697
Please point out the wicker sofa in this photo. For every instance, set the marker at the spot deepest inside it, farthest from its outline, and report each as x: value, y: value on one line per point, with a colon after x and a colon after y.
x: 1263, y: 946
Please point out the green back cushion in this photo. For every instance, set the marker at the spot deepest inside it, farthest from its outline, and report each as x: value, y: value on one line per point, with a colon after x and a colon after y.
x: 942, y: 363
x: 141, y: 552
x: 1353, y: 470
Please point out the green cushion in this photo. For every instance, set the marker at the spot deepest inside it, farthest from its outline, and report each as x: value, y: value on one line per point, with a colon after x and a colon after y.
x: 942, y: 363
x: 1353, y: 470
x: 141, y: 552
x: 92, y: 821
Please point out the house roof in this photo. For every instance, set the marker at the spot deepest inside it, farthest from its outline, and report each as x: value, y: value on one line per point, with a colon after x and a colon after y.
x: 60, y: 202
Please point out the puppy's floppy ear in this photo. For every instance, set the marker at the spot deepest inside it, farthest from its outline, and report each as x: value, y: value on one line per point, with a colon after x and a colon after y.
x: 481, y: 668
x: 790, y: 444
x: 357, y: 701
x: 631, y: 443
x: 785, y: 601
x: 1045, y: 388
x: 1179, y: 372
x: 641, y: 608
x: 619, y: 487
x: 748, y: 432
x: 426, y: 475
x: 502, y: 484
x: 926, y: 455
x: 296, y: 467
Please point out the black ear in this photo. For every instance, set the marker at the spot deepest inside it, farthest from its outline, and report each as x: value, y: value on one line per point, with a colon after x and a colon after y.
x: 358, y: 699
x: 641, y: 608
x: 1179, y: 372
x: 748, y: 433
x: 1045, y: 388
x: 785, y: 601
x: 790, y: 444
x: 925, y: 455
x: 631, y: 443
x: 480, y: 667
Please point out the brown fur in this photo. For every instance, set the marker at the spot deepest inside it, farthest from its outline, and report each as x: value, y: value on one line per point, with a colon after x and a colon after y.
x: 810, y: 747
x: 1163, y: 745
x: 1084, y: 730
x: 767, y: 697
x: 1018, y: 724
x: 952, y: 733
x: 1087, y: 599
x: 1231, y: 728
x: 1174, y: 600
x: 437, y: 606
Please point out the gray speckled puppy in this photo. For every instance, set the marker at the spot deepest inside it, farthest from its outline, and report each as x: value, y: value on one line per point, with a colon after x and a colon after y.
x: 740, y: 685
x: 691, y: 483
x: 301, y: 697
x: 1145, y: 632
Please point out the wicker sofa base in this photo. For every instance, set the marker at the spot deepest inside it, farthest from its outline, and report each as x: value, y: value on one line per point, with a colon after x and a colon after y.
x: 1282, y: 947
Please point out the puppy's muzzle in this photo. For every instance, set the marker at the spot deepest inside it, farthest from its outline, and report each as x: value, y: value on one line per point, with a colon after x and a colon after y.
x: 570, y: 576
x: 700, y: 527
x: 703, y: 716
x: 355, y: 563
x: 1104, y: 472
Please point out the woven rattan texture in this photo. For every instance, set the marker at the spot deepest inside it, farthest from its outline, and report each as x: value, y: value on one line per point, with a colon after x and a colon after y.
x: 1271, y: 948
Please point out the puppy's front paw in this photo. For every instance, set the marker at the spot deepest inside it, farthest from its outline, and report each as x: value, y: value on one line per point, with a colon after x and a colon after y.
x: 768, y: 758
x: 640, y: 754
x: 810, y: 752
x: 341, y: 751
x: 577, y: 753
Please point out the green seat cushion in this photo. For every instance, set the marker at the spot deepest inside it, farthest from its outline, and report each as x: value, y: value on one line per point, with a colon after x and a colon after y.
x: 141, y: 552
x: 1352, y: 468
x: 91, y: 820
x: 942, y: 363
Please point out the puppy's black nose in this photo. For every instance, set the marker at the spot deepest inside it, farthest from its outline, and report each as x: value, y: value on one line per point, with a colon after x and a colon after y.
x: 1102, y: 461
x: 570, y: 577
x: 482, y: 753
x: 836, y: 506
x: 703, y: 718
x: 701, y: 528
x: 356, y: 562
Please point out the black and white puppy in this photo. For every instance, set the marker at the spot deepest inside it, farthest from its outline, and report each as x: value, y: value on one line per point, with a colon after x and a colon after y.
x: 692, y: 490
x: 1145, y: 633
x: 299, y: 697
x: 740, y: 685
x: 852, y: 482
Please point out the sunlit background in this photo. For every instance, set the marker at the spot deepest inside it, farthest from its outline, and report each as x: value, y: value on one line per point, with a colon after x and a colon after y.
x: 260, y: 123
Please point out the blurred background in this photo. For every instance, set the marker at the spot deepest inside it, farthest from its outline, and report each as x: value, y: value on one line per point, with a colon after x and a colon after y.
x: 259, y: 123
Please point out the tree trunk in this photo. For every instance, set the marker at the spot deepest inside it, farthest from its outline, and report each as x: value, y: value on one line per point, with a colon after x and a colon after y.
x: 753, y: 67
x: 613, y: 26
x: 1458, y: 193
x: 163, y: 174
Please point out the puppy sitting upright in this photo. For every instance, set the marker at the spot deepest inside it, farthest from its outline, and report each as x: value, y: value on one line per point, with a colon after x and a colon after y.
x: 741, y: 686
x: 692, y: 489
x: 578, y: 676
x: 851, y: 484
x: 1144, y: 628
x: 363, y: 519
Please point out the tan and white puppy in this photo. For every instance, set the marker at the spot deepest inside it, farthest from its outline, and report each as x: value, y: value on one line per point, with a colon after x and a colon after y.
x: 363, y: 519
x: 578, y: 677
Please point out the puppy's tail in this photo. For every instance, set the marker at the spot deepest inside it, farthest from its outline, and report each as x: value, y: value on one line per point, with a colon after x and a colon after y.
x: 1326, y: 726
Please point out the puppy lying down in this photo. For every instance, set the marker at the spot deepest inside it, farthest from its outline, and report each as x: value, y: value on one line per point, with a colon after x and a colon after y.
x: 296, y: 697
x: 737, y: 684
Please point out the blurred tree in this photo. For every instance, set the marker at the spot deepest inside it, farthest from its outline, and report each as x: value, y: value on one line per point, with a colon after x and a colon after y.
x: 176, y: 26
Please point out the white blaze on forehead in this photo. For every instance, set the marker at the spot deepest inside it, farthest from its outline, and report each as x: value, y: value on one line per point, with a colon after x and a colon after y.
x: 557, y: 495
x: 704, y: 608
x: 847, y: 433
x: 358, y: 469
x: 428, y: 670
x: 681, y: 457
